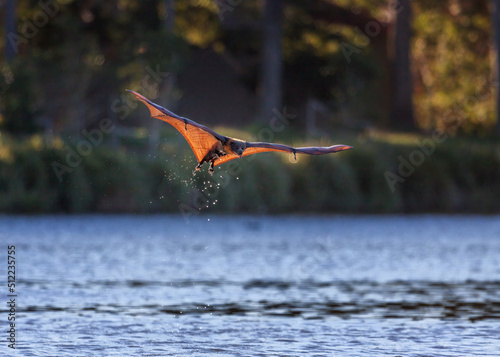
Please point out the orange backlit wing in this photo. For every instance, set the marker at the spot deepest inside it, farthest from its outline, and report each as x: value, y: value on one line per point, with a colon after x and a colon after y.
x: 203, y: 140
x: 200, y: 138
x: 255, y: 148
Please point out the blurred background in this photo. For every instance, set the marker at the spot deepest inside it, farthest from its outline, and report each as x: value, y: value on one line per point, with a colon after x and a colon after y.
x: 411, y: 85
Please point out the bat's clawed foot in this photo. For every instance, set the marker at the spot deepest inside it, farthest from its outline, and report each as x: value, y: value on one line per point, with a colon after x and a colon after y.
x: 197, y: 168
x: 211, y: 168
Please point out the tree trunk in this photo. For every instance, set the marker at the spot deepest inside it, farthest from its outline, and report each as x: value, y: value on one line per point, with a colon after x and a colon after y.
x: 170, y: 19
x: 495, y: 23
x: 402, y: 117
x: 272, y: 63
x: 10, y: 28
x: 166, y: 87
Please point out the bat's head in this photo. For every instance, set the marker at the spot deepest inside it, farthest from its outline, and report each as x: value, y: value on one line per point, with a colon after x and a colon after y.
x: 238, y: 147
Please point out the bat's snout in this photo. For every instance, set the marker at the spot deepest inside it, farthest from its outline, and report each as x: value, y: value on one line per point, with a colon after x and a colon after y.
x: 237, y: 147
x: 239, y: 152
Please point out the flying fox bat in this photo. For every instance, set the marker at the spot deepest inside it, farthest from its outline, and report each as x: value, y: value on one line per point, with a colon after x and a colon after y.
x: 209, y: 146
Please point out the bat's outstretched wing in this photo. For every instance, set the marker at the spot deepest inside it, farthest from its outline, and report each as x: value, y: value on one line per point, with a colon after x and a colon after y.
x: 255, y: 148
x: 203, y: 140
x: 200, y: 138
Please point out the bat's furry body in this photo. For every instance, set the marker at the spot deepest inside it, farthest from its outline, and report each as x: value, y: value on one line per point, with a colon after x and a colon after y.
x: 209, y: 146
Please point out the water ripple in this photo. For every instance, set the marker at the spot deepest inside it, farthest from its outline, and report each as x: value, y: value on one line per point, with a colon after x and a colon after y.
x: 470, y: 300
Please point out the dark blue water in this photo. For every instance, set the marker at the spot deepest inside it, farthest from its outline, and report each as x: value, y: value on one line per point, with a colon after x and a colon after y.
x: 253, y: 286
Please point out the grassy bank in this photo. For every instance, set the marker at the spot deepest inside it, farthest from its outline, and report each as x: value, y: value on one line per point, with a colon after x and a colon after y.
x: 383, y: 174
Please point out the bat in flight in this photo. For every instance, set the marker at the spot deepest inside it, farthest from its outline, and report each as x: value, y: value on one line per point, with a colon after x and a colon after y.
x: 209, y: 146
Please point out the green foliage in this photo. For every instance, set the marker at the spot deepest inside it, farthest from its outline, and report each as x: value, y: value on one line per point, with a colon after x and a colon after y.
x: 25, y: 181
x: 369, y: 165
x: 17, y: 100
x: 262, y: 180
x: 198, y: 21
x: 459, y: 176
x: 316, y: 64
x: 451, y: 48
x: 68, y: 71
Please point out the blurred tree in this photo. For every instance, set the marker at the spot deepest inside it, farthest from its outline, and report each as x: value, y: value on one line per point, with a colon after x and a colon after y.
x: 10, y: 28
x: 82, y: 57
x: 313, y: 50
x: 402, y: 89
x: 328, y: 57
x: 18, y: 101
x: 169, y: 15
x: 451, y: 53
x: 272, y: 60
x: 75, y: 66
x: 166, y: 86
x: 495, y: 22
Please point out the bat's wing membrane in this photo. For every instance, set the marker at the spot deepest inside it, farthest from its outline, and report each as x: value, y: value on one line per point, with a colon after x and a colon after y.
x: 200, y: 138
x: 225, y: 158
x: 322, y: 150
x: 255, y: 148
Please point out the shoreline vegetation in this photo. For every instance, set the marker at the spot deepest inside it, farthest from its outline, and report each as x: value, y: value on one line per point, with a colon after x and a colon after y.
x: 385, y: 173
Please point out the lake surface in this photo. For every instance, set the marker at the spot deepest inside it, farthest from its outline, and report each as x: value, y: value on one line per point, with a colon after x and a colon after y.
x: 253, y: 286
